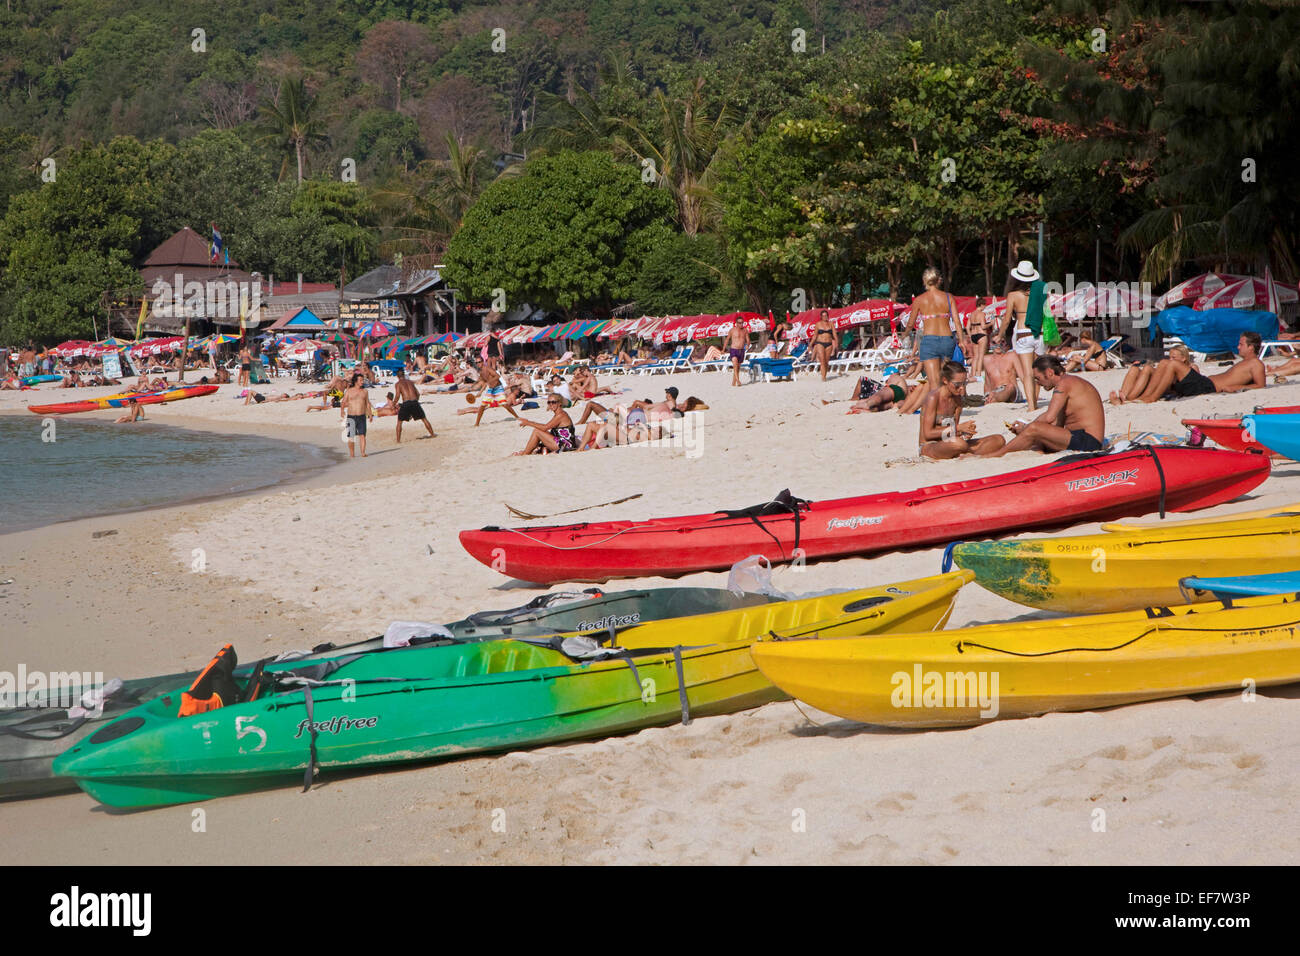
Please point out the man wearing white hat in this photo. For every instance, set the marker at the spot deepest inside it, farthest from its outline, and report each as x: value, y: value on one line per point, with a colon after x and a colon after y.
x: 1025, y: 300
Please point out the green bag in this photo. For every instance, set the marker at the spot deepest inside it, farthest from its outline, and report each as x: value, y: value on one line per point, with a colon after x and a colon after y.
x: 1051, y: 334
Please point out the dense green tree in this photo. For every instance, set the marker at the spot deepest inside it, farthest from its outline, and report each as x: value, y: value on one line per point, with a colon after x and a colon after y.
x: 66, y: 242
x: 681, y: 275
x: 563, y: 234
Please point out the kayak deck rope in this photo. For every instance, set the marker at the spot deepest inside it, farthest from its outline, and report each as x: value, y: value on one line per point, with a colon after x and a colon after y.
x: 559, y: 547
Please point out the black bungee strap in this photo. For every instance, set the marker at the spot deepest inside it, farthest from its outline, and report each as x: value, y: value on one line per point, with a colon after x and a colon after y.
x: 783, y: 503
x: 1160, y: 470
x: 681, y: 686
x: 311, y: 727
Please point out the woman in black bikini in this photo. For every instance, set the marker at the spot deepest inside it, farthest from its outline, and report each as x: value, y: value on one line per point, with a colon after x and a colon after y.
x: 823, y: 345
x: 556, y: 435
x: 979, y: 338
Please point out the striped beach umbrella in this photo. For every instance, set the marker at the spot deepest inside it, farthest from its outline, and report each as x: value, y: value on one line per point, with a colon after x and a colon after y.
x: 372, y: 330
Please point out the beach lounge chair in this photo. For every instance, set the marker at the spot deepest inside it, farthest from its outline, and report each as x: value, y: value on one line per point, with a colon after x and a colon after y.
x: 1111, y: 347
x: 1288, y: 348
x: 680, y: 360
x: 771, y: 369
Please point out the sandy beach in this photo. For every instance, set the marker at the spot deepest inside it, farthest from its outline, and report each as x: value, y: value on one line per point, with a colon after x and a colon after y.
x: 341, y: 553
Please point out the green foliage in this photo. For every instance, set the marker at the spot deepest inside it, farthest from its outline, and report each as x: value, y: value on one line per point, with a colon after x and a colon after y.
x: 680, y: 274
x: 65, y: 243
x: 564, y: 234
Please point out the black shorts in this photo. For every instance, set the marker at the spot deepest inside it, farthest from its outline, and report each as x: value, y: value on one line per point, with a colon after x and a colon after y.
x: 358, y: 425
x: 410, y: 410
x: 977, y: 337
x: 1081, y: 440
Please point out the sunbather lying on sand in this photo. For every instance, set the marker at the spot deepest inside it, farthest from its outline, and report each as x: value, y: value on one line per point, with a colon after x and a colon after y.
x: 1177, y: 377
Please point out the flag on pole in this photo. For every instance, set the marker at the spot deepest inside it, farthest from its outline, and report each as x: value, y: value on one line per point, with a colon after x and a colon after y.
x: 144, y: 307
x: 1270, y: 290
x: 217, y: 247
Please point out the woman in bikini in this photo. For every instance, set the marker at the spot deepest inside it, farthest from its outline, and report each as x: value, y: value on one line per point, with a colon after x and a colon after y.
x: 557, y: 435
x: 1024, y: 343
x: 823, y: 342
x: 979, y: 337
x: 940, y: 327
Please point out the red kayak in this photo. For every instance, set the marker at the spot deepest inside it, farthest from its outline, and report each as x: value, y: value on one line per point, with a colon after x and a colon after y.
x: 1227, y: 433
x: 1065, y: 492
x: 123, y: 400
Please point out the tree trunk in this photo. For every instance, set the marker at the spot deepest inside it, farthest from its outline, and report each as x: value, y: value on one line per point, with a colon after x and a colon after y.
x: 297, y: 148
x: 986, y: 253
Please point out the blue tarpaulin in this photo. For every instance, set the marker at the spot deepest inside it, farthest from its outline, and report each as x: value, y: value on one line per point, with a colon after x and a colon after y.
x: 1214, y: 330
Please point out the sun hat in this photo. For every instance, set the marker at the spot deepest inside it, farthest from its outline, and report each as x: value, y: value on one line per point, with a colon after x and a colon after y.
x: 1025, y: 271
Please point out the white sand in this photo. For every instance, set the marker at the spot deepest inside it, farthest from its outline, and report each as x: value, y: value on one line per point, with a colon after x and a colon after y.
x: 1204, y: 781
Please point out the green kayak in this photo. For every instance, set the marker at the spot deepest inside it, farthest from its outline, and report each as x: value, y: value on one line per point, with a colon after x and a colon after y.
x: 33, y: 735
x: 428, y: 702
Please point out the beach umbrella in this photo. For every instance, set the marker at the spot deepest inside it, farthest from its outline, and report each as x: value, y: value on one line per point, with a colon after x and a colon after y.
x: 1088, y: 301
x: 1193, y: 289
x: 1246, y: 293
x: 372, y: 330
x: 336, y: 337
x: 221, y: 338
x: 115, y: 343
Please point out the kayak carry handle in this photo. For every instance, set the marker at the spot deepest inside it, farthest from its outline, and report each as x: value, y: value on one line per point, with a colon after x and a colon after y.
x: 946, y: 566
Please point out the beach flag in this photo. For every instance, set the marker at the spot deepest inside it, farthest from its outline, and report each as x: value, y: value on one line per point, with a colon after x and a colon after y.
x: 1270, y: 291
x: 217, y: 247
x: 144, y: 307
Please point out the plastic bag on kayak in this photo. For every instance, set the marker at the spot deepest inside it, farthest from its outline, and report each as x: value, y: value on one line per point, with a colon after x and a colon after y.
x: 401, y: 633
x: 752, y: 575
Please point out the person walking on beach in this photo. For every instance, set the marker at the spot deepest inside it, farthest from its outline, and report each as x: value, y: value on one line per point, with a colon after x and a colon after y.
x: 940, y: 327
x: 1075, y: 419
x: 408, y: 404
x: 737, y: 340
x: 823, y: 342
x: 943, y: 433
x: 356, y: 408
x: 1025, y: 301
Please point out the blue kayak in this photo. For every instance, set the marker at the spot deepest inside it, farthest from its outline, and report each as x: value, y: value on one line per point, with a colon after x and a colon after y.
x: 40, y: 379
x: 1284, y: 582
x: 1278, y: 432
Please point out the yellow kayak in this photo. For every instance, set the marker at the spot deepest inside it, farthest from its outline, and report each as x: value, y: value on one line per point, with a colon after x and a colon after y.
x: 1156, y: 526
x: 1127, y: 570
x: 730, y: 681
x: 993, y: 671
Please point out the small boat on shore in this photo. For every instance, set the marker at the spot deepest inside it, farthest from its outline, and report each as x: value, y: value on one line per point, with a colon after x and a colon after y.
x: 429, y: 702
x: 1069, y: 491
x: 123, y: 399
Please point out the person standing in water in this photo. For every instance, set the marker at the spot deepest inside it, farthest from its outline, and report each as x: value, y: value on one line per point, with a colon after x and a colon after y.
x: 940, y: 327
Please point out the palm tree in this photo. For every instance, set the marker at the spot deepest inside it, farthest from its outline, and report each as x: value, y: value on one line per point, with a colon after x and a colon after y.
x: 288, y: 122
x: 682, y: 151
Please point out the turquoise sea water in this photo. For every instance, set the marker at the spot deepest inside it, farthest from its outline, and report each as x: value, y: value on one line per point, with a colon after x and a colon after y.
x: 97, y: 468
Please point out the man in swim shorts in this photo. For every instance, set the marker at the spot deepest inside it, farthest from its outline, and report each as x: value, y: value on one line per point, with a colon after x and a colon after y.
x: 737, y: 340
x: 357, y: 409
x: 1075, y: 419
x: 408, y: 405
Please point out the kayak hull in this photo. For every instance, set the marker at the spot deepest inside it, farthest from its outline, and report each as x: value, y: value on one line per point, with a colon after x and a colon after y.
x: 476, y: 698
x: 1065, y: 492
x: 1279, y: 432
x: 32, y: 736
x: 1226, y: 433
x: 994, y: 671
x: 123, y: 400
x: 1127, y: 570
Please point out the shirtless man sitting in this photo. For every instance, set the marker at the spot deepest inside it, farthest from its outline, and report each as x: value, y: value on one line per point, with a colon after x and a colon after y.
x: 1178, y: 375
x: 943, y: 433
x: 1000, y: 378
x: 1075, y: 419
x: 408, y: 407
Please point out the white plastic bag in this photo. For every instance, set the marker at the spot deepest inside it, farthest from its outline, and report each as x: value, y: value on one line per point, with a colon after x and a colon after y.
x: 752, y: 575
